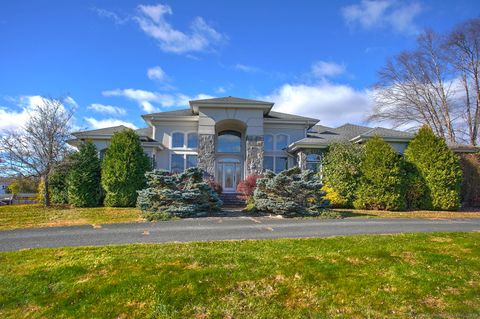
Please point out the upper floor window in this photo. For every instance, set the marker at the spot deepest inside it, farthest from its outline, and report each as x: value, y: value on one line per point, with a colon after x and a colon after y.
x: 268, y: 142
x: 313, y: 162
x: 281, y: 142
x: 178, y: 140
x: 192, y: 140
x: 229, y: 142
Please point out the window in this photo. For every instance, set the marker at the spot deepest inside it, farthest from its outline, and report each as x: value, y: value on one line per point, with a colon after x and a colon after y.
x: 229, y: 142
x: 268, y: 142
x: 178, y: 163
x: 281, y: 163
x: 313, y: 162
x: 268, y: 163
x: 178, y: 140
x: 192, y: 140
x: 191, y: 161
x: 281, y: 142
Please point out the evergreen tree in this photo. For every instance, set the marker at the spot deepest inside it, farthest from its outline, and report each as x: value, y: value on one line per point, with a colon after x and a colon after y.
x: 83, y: 179
x: 439, y: 167
x: 123, y: 169
x: 382, y: 181
x: 341, y: 173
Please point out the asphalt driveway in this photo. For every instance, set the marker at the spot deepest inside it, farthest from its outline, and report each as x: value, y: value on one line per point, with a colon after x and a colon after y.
x: 221, y: 228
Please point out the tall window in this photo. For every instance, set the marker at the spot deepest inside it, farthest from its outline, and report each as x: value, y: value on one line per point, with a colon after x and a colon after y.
x: 191, y: 161
x: 281, y: 163
x: 192, y: 140
x: 268, y: 163
x: 178, y: 140
x: 229, y: 142
x: 178, y: 163
x: 281, y: 142
x: 268, y: 142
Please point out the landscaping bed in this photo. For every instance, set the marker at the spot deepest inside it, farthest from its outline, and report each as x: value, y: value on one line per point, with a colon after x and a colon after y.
x: 394, y: 276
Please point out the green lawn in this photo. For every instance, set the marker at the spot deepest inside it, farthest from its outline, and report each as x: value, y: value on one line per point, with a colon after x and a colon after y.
x: 383, y: 276
x: 27, y: 216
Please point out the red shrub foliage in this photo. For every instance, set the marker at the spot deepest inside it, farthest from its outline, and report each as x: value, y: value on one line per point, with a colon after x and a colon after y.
x: 248, y: 185
x: 214, y: 185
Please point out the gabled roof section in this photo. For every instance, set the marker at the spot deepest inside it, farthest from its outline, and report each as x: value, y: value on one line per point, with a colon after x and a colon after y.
x: 351, y: 130
x: 286, y: 116
x: 107, y: 131
x: 231, y: 101
x: 385, y: 132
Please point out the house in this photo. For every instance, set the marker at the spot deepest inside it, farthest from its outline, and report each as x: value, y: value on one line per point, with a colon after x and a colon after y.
x: 231, y: 138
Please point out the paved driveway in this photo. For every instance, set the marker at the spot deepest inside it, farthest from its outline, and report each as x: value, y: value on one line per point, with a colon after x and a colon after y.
x: 221, y: 228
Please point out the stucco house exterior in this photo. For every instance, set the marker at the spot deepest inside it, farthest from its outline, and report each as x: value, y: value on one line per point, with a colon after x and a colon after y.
x: 232, y: 138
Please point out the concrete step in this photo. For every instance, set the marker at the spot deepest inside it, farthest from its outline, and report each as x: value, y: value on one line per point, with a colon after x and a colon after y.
x: 233, y: 199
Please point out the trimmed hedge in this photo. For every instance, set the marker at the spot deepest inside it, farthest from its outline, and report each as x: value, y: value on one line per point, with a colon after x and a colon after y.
x: 341, y: 173
x: 123, y: 169
x: 470, y: 192
x: 439, y: 167
x: 83, y: 180
x: 177, y: 195
x: 381, y: 183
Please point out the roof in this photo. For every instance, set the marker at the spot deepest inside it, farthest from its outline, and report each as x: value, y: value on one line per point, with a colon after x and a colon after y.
x: 286, y: 116
x: 385, y: 132
x: 182, y: 112
x: 107, y: 131
x: 463, y: 148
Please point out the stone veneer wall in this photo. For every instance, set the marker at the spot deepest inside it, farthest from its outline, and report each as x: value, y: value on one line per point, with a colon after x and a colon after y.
x: 254, y: 153
x: 302, y: 160
x: 206, y: 153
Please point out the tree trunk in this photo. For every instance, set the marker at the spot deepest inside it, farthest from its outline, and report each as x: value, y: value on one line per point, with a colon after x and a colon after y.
x: 46, y: 192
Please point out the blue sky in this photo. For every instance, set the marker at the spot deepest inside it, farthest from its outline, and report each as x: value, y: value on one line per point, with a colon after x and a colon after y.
x: 116, y: 60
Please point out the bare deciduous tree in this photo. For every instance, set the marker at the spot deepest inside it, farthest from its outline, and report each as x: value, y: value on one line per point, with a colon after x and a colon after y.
x: 34, y: 149
x: 437, y: 84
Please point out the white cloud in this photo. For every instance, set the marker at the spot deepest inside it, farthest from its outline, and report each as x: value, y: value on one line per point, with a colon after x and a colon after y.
x: 324, y: 69
x: 201, y: 37
x: 13, y: 119
x: 220, y: 90
x: 147, y: 99
x: 96, y: 124
x: 332, y: 104
x: 369, y: 14
x: 109, y: 109
x: 110, y: 15
x: 246, y: 68
x: 156, y: 73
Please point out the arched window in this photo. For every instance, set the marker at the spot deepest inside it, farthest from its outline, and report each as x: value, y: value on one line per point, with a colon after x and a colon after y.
x: 281, y: 142
x: 268, y: 142
x: 178, y: 140
x: 229, y: 142
x: 192, y: 140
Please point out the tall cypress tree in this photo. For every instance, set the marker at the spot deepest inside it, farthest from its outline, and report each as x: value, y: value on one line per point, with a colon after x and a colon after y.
x: 439, y: 167
x: 83, y: 180
x: 123, y: 169
x: 382, y: 178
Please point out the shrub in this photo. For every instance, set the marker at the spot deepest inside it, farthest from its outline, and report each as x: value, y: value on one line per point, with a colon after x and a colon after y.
x: 341, y: 172
x: 439, y: 167
x: 248, y: 185
x: 23, y: 185
x: 58, y: 186
x: 41, y: 191
x: 381, y: 183
x: 83, y: 180
x: 123, y: 169
x: 290, y: 193
x: 214, y: 185
x: 335, y: 199
x: 177, y: 195
x: 470, y: 193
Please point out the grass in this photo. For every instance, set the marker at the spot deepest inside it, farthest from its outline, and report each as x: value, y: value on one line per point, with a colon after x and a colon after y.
x: 28, y: 216
x: 470, y: 213
x: 382, y: 276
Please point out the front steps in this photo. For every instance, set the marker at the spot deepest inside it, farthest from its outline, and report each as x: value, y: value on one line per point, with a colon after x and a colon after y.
x: 233, y: 199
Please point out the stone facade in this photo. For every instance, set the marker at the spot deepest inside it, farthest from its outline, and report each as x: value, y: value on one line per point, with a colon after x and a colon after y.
x: 206, y: 153
x: 254, y: 155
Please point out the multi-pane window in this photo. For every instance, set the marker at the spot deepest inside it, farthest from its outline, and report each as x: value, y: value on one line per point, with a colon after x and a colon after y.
x: 268, y: 142
x: 281, y: 163
x: 313, y: 162
x: 268, y: 163
x: 178, y: 140
x: 281, y: 142
x: 177, y: 163
x: 229, y: 142
x: 192, y: 140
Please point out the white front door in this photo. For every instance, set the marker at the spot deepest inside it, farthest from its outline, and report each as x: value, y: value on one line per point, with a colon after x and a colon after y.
x: 229, y: 175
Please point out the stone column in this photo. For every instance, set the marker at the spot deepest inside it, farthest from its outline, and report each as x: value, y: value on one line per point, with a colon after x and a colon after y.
x: 302, y: 160
x: 254, y: 150
x: 206, y: 153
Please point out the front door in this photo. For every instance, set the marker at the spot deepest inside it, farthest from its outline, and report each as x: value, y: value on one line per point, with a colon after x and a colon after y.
x: 229, y: 175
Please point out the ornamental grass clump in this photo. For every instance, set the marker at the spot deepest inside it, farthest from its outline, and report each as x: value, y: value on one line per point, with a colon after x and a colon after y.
x: 177, y: 195
x: 291, y: 193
